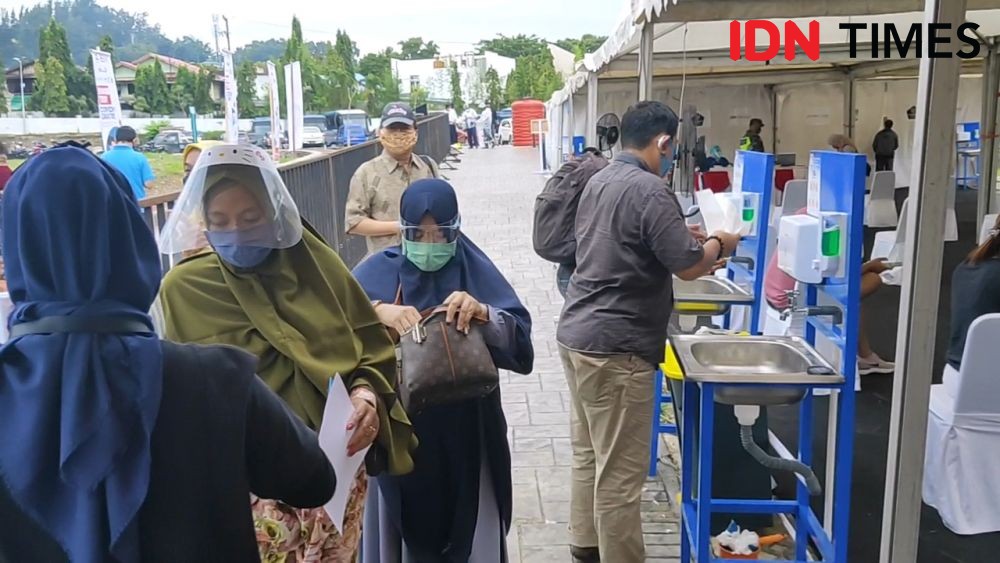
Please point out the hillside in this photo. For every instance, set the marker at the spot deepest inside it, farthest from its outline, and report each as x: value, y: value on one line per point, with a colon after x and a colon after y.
x: 85, y: 23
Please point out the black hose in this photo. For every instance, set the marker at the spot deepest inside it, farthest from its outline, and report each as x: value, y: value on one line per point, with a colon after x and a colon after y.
x: 778, y: 463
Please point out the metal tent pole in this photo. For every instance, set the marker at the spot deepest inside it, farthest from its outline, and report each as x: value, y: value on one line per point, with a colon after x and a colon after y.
x: 988, y: 132
x: 646, y: 62
x: 592, y: 109
x: 937, y: 96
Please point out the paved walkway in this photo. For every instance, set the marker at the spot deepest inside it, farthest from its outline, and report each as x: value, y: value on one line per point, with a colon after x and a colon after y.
x: 497, y: 189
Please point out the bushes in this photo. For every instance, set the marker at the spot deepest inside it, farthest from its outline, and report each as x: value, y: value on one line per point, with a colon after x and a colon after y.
x: 212, y: 135
x: 154, y: 128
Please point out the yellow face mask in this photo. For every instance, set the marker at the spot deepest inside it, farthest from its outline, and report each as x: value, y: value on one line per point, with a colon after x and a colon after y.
x: 398, y: 143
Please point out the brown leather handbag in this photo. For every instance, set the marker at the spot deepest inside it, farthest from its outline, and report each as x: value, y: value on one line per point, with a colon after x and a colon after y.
x: 440, y: 365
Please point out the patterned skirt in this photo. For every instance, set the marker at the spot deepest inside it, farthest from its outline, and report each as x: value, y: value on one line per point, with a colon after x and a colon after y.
x: 291, y: 535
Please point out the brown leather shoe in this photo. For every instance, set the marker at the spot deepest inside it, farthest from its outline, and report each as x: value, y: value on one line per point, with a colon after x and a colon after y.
x: 585, y: 554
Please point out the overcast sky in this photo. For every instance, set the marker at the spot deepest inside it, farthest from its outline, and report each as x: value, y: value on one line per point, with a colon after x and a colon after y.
x: 375, y: 24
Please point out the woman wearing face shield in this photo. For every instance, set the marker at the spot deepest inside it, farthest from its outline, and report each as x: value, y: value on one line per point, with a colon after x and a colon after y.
x: 274, y: 289
x: 117, y: 446
x: 456, y: 504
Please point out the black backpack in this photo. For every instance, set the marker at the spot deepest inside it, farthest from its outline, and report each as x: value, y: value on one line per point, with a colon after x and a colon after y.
x: 554, y: 231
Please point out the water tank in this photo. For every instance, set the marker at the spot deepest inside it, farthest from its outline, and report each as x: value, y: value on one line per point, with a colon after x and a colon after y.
x: 526, y: 111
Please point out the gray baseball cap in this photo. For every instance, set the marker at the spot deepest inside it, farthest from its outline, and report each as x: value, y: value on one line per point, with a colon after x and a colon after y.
x: 398, y: 112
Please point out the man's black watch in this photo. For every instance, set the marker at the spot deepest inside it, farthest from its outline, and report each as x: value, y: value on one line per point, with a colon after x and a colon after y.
x: 722, y: 247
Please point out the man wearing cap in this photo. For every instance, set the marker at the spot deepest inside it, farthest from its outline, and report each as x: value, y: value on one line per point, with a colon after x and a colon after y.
x: 752, y: 141
x: 377, y: 185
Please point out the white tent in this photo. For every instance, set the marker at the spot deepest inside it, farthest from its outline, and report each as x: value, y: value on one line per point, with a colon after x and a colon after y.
x: 801, y: 102
x: 641, y: 58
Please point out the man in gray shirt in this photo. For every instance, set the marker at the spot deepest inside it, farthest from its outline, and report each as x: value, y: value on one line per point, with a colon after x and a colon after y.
x: 631, y: 239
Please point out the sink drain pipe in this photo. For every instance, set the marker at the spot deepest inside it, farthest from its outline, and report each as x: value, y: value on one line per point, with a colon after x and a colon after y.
x: 747, y: 415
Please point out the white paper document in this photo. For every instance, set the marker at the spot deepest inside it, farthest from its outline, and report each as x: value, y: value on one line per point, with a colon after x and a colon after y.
x: 333, y: 439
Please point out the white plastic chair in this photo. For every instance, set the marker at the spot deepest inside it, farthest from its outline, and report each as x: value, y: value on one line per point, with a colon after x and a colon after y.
x: 961, y: 479
x: 950, y: 219
x: 880, y: 205
x: 984, y: 231
x: 795, y: 197
x: 890, y: 245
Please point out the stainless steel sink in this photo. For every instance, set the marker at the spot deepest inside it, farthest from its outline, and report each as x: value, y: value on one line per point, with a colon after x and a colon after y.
x: 708, y: 295
x: 780, y: 363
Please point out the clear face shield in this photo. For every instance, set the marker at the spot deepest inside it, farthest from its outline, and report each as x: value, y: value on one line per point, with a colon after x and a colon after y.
x: 430, y: 246
x: 235, y: 200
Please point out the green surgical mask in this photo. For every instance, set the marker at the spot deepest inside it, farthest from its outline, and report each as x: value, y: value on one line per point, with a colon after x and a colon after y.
x: 429, y: 256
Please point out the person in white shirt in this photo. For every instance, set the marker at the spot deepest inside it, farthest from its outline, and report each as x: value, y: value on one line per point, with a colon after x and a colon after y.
x: 471, y: 118
x: 486, y: 125
x: 452, y: 123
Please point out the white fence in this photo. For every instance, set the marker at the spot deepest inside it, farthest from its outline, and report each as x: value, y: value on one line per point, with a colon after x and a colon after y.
x: 92, y: 125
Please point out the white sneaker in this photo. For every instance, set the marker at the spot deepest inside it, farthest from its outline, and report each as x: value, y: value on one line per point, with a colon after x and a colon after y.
x: 874, y: 364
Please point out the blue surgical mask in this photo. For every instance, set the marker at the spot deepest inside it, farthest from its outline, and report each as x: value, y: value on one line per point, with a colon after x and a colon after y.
x: 667, y: 161
x: 245, y: 248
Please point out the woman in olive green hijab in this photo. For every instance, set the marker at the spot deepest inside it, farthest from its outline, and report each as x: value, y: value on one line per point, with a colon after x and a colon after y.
x: 274, y: 289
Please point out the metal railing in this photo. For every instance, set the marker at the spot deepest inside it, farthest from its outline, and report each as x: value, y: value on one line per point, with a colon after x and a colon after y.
x: 319, y: 184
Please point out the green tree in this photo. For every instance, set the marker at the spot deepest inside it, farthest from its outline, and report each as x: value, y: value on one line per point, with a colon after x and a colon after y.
x: 456, y: 88
x: 246, y: 89
x: 183, y: 90
x: 588, y: 43
x: 52, y: 44
x: 494, y: 90
x: 348, y: 51
x: 534, y: 77
x: 203, y: 101
x: 418, y: 96
x: 295, y: 46
x: 381, y: 84
x: 415, y: 48
x: 514, y: 47
x: 151, y: 91
x: 50, y: 89
x: 105, y: 45
x: 336, y: 84
x: 296, y: 50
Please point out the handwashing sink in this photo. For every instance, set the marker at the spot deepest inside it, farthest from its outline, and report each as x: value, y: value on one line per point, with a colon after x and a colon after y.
x: 782, y: 363
x: 708, y: 295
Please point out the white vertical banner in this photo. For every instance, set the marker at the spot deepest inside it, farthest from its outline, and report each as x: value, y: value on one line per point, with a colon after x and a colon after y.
x: 275, y: 102
x: 108, y: 106
x: 232, y: 109
x: 293, y: 99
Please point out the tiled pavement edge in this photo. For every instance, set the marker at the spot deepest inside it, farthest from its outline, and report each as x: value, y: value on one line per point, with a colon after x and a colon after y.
x: 497, y: 189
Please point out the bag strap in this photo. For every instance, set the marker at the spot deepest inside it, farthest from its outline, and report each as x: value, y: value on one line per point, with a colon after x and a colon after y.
x: 95, y: 325
x: 428, y: 314
x: 399, y: 295
x: 430, y: 164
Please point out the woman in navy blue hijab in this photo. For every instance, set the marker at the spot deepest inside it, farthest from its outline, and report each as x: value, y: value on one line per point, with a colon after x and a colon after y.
x: 456, y: 504
x: 117, y: 446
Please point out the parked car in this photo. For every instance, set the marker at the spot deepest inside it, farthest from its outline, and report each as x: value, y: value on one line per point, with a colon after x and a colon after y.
x: 260, y: 131
x: 505, y: 133
x: 170, y: 141
x: 347, y: 127
x: 243, y: 138
x: 312, y: 136
x: 505, y: 113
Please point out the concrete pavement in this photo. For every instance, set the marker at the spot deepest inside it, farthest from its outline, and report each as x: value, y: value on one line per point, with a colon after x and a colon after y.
x: 497, y: 189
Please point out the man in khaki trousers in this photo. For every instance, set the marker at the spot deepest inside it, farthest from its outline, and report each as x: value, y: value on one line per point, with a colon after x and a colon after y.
x: 631, y: 240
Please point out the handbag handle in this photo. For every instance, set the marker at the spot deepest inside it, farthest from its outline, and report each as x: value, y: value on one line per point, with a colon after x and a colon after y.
x: 419, y: 332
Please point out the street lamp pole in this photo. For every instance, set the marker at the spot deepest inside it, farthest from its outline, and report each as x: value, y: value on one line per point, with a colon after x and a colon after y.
x: 20, y: 78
